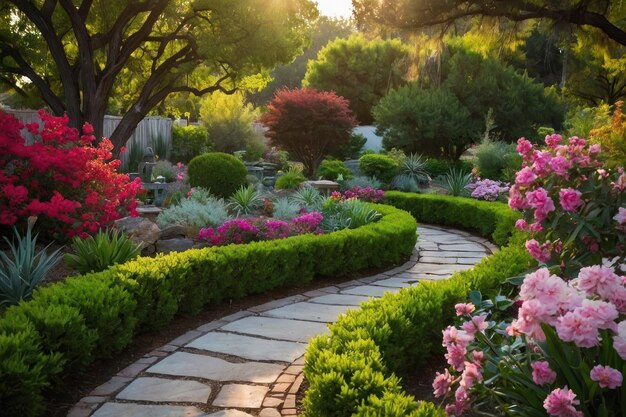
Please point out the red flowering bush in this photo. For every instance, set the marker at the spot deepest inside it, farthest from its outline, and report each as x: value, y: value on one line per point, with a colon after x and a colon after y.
x: 70, y: 184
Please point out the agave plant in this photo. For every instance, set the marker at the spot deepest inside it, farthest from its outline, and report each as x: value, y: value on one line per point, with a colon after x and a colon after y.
x: 28, y: 267
x: 97, y: 253
x: 309, y: 198
x: 456, y: 181
x: 413, y: 174
x: 245, y: 200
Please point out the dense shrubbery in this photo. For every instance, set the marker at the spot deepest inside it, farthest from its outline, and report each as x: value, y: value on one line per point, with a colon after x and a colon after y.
x: 189, y: 142
x: 290, y: 181
x: 73, y: 187
x: 438, y: 167
x: 218, y: 172
x: 67, y: 325
x: 378, y: 166
x: 497, y: 160
x: 378, y: 341
x: 330, y: 169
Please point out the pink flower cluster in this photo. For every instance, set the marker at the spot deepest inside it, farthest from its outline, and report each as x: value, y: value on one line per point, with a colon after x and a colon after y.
x: 361, y: 193
x: 562, y: 403
x: 462, y: 359
x: 240, y: 231
x: 579, y: 309
x: 487, y: 189
x: 551, y: 182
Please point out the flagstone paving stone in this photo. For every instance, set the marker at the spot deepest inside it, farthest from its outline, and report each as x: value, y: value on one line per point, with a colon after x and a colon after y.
x: 208, y: 367
x: 252, y: 360
x: 281, y: 329
x: 308, y: 311
x: 249, y: 347
x: 166, y: 390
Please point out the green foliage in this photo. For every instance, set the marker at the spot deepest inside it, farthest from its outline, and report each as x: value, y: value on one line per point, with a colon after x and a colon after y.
x: 438, y: 167
x: 347, y: 214
x: 290, y: 181
x: 580, y: 121
x: 285, y: 209
x: 496, y: 160
x: 166, y: 170
x: 195, y: 212
x: 97, y: 253
x: 330, y: 169
x: 67, y: 325
x: 353, y: 371
x: 354, y: 147
x: 432, y: 122
x: 228, y: 120
x: 223, y: 174
x: 360, y: 70
x: 378, y: 166
x: 412, y: 175
x: 189, y: 142
x: 611, y: 136
x: 362, y: 181
x: 245, y: 200
x: 455, y: 182
x: 21, y: 272
x: 309, y: 198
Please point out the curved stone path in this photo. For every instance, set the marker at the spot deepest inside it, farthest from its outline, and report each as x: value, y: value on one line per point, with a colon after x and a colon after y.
x: 250, y: 363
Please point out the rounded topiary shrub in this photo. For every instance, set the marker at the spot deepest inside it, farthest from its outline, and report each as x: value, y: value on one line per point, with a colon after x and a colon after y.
x: 219, y: 172
x: 330, y: 169
x: 382, y: 167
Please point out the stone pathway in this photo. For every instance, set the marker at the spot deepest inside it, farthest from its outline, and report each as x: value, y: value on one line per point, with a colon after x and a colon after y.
x: 250, y: 363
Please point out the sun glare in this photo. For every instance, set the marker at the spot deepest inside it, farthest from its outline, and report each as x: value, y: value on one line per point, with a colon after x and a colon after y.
x: 335, y: 8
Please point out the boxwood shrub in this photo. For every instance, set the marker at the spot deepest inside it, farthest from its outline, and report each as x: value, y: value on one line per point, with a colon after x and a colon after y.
x: 66, y: 326
x: 354, y: 371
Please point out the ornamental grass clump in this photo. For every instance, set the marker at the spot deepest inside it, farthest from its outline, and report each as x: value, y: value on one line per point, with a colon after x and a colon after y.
x: 97, y: 253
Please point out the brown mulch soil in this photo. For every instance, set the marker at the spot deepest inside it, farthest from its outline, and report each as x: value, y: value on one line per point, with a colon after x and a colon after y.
x: 79, y: 386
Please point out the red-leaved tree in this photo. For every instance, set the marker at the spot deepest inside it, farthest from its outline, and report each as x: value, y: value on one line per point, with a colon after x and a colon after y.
x: 309, y: 124
x: 72, y: 186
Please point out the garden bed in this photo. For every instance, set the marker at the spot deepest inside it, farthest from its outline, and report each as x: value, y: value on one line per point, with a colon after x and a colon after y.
x: 66, y: 326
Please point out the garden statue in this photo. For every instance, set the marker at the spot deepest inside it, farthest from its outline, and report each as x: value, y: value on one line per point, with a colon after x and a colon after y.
x: 147, y: 164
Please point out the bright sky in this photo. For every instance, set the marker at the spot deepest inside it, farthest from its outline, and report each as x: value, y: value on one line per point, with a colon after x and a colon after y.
x: 335, y: 8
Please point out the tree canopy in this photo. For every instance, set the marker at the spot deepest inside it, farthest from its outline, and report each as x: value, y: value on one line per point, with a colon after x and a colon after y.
x: 360, y: 70
x: 604, y: 15
x: 80, y: 55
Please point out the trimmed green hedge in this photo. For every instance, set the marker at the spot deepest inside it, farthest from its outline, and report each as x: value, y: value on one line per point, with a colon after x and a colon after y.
x: 353, y: 371
x: 66, y: 326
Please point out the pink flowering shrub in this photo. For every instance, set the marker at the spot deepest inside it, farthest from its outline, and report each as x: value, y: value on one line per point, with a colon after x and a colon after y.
x: 240, y: 231
x: 563, y: 354
x: 70, y: 183
x: 361, y: 193
x: 487, y: 189
x: 573, y: 206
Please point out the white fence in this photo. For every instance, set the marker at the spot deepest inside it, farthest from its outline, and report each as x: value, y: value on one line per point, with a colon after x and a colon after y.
x: 149, y: 132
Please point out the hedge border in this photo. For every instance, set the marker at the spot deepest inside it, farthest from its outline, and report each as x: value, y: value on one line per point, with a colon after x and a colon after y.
x: 353, y: 371
x: 66, y: 326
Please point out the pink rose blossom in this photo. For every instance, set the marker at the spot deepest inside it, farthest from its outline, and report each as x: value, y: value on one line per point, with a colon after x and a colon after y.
x: 442, y: 383
x: 478, y: 356
x: 522, y: 225
x: 535, y: 227
x: 472, y: 373
x: 516, y: 199
x: 598, y: 280
x: 476, y: 324
x: 606, y: 376
x: 456, y: 356
x: 454, y: 336
x: 553, y: 140
x: 560, y: 165
x: 537, y: 251
x: 539, y: 200
x: 530, y: 317
x: 462, y: 308
x: 620, y: 217
x: 524, y: 146
x: 561, y: 403
x: 573, y: 327
x: 541, y: 162
x: 570, y: 199
x: 600, y: 313
x: 513, y: 329
x: 595, y: 148
x: 542, y: 374
x: 525, y: 177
